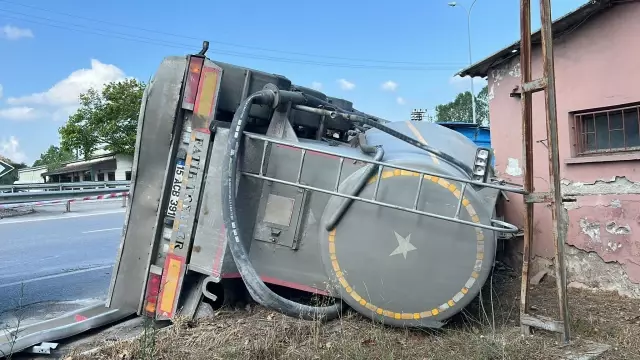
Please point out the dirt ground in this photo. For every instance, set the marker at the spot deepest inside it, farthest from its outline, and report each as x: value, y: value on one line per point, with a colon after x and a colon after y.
x: 17, y: 211
x: 261, y: 334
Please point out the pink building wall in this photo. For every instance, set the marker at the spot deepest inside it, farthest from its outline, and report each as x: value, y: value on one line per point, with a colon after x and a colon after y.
x: 597, y: 65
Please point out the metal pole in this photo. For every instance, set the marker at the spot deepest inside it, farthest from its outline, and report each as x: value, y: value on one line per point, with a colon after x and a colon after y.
x: 473, y: 94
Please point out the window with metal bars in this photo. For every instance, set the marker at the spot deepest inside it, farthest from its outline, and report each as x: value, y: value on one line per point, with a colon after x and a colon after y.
x: 607, y: 131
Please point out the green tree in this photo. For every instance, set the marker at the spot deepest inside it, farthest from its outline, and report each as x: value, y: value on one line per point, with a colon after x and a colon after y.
x: 461, y: 110
x: 54, y: 157
x: 106, y: 118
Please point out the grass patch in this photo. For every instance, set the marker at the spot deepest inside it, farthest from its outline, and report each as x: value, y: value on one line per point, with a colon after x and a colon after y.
x: 261, y: 334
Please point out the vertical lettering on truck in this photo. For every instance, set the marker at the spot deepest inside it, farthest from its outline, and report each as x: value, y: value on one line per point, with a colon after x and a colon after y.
x: 188, y: 179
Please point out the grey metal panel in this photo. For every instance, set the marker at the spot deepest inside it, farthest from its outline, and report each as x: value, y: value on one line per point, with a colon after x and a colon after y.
x: 279, y: 214
x: 302, y: 266
x: 147, y: 184
x: 210, y: 241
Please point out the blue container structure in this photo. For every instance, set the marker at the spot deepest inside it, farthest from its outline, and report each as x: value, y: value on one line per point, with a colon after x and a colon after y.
x: 480, y: 135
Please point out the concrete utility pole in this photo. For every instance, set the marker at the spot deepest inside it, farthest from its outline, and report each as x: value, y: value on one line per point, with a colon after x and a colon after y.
x: 473, y: 93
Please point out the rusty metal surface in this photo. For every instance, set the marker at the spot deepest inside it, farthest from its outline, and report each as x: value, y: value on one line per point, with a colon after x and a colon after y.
x: 557, y: 218
x: 527, y: 114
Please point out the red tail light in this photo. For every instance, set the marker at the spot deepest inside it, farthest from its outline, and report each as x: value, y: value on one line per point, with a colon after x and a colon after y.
x: 151, y: 298
x: 193, y: 79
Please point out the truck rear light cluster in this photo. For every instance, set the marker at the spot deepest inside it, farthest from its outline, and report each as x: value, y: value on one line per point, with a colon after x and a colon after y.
x: 191, y: 84
x: 153, y: 290
x: 481, y: 164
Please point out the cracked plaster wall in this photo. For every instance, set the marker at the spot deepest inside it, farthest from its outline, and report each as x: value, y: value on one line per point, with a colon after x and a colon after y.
x: 603, y: 222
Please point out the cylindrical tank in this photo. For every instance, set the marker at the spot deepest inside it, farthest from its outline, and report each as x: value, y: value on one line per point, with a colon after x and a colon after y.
x: 401, y: 268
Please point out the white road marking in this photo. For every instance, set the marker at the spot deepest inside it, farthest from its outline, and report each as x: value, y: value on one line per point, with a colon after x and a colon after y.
x: 20, y: 221
x: 55, y: 276
x: 404, y: 245
x: 101, y: 230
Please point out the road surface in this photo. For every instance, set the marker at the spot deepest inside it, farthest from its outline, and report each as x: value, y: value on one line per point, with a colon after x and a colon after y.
x: 53, y: 262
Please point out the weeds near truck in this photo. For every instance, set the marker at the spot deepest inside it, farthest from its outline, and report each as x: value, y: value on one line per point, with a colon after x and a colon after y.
x: 148, y: 339
x: 261, y: 334
x: 12, y: 331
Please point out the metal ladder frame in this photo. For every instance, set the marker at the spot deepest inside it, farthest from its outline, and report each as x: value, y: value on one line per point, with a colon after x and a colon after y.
x: 528, y: 86
x: 502, y: 226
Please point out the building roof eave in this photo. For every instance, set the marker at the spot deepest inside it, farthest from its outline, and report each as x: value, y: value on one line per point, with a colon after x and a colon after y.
x: 561, y: 26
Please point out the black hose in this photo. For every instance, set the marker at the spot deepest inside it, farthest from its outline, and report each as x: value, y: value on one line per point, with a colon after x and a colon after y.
x: 371, y: 168
x: 366, y: 148
x: 365, y: 119
x: 373, y: 123
x: 256, y: 287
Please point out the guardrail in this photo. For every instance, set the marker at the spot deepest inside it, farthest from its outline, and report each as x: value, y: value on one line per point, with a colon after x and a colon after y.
x: 43, y: 196
x: 15, y: 188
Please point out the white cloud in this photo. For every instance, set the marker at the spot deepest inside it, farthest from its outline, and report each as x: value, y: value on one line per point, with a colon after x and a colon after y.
x: 63, y: 113
x: 346, y: 85
x: 10, y: 32
x: 316, y: 85
x: 18, y: 113
x: 62, y: 99
x: 11, y: 150
x: 463, y: 83
x: 389, y: 86
x: 66, y: 92
x: 400, y: 100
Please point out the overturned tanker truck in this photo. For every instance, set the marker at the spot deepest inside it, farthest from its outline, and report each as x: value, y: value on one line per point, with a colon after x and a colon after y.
x: 240, y: 174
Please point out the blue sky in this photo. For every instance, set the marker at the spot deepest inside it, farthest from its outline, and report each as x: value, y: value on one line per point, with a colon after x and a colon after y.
x: 54, y: 50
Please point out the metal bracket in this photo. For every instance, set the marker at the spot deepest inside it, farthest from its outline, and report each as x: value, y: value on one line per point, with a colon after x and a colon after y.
x: 205, y: 292
x: 44, y: 348
x: 545, y: 197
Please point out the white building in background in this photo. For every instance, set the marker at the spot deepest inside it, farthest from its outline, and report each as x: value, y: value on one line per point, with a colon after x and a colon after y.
x: 105, y: 167
x: 31, y: 175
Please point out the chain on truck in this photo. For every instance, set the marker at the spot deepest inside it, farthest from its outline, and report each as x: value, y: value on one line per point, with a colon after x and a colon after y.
x: 241, y: 174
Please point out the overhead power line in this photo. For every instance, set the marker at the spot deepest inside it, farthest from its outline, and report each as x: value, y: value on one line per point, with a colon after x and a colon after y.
x: 417, y: 66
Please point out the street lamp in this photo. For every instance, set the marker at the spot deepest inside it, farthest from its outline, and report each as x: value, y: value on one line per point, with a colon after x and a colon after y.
x: 473, y: 94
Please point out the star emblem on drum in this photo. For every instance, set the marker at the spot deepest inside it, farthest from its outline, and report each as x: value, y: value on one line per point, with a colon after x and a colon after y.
x: 404, y: 245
